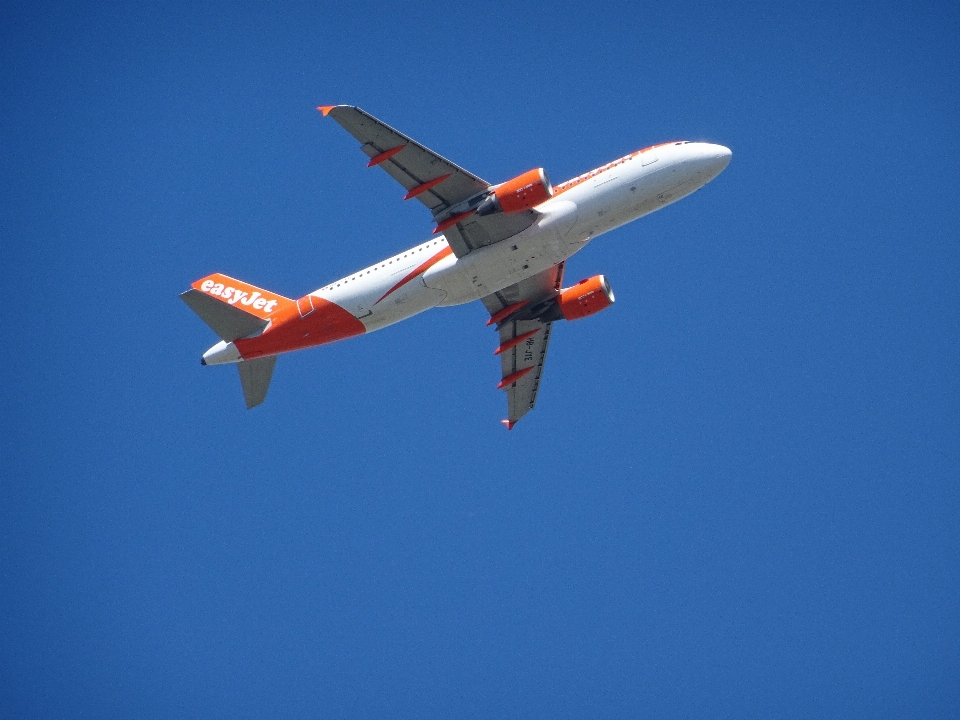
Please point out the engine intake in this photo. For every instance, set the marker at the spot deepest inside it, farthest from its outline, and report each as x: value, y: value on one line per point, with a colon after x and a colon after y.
x: 587, y: 297
x: 522, y: 193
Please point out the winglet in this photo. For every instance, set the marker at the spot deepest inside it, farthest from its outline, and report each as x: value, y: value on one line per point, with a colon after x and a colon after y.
x: 509, y: 423
x: 325, y: 109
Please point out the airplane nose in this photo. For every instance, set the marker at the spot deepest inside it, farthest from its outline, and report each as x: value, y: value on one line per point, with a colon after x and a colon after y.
x: 713, y: 159
x: 720, y: 156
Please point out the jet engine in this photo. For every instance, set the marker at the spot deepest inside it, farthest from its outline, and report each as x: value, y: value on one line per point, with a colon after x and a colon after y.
x: 522, y: 193
x: 587, y: 297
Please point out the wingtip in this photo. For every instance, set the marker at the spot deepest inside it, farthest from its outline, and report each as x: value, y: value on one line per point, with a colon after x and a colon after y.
x: 509, y: 423
x: 325, y: 109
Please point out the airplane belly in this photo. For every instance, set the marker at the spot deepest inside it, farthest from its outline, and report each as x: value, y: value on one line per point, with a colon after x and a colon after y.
x: 668, y: 184
x: 632, y: 196
x: 378, y: 300
x: 414, y: 297
x: 494, y: 267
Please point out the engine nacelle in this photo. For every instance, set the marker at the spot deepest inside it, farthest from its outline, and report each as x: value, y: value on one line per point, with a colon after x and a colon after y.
x: 522, y: 193
x: 587, y: 297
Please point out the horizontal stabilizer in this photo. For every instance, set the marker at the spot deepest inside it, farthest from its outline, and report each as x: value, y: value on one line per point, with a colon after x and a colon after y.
x: 255, y: 378
x: 233, y: 308
x: 227, y: 321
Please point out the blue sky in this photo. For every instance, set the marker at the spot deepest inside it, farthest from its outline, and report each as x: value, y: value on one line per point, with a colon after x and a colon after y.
x: 737, y: 496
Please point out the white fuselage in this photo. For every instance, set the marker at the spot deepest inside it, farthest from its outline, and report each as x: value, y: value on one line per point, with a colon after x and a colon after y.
x: 581, y: 209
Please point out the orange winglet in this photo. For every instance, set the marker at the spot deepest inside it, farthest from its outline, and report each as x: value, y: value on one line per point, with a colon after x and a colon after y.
x: 385, y: 155
x: 513, y: 377
x: 509, y: 423
x: 325, y: 109
x: 506, y: 312
x: 451, y: 221
x: 425, y: 186
x: 515, y: 341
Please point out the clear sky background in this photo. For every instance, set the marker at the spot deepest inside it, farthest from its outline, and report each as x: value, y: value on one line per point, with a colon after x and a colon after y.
x: 737, y: 496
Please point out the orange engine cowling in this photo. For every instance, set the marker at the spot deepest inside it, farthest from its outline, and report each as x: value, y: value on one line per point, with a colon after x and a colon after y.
x: 587, y: 297
x: 522, y: 193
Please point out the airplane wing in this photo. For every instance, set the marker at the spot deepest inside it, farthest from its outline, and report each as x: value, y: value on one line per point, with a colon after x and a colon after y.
x: 446, y: 189
x: 524, y: 338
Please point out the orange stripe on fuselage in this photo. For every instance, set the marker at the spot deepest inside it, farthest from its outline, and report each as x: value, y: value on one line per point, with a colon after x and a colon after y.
x: 421, y: 268
x: 288, y: 330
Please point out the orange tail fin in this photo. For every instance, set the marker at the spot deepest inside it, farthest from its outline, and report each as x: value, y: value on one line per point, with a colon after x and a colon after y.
x: 232, y: 308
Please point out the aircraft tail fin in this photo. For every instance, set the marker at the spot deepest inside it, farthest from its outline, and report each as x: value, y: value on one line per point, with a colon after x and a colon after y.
x: 255, y: 378
x: 233, y: 309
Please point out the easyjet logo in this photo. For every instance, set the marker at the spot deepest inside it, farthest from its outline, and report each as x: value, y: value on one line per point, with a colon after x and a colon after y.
x: 233, y: 296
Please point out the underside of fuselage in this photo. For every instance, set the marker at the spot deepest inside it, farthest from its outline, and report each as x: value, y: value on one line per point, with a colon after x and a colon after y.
x: 580, y: 210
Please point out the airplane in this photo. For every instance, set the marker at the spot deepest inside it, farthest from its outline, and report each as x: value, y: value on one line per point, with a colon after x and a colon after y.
x: 504, y: 244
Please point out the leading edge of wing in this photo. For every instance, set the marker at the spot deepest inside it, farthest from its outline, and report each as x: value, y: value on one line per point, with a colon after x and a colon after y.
x: 407, y: 161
